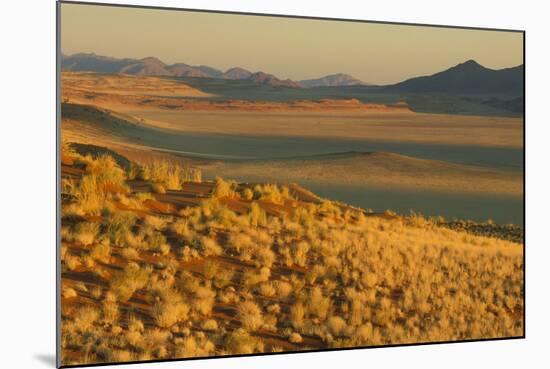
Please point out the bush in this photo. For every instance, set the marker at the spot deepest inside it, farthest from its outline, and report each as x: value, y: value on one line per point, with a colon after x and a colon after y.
x: 168, y: 313
x: 336, y: 325
x: 210, y: 247
x: 210, y: 325
x: 132, y: 278
x: 256, y: 215
x: 250, y: 315
x: 241, y: 342
x: 118, y: 227
x: 223, y: 188
x: 86, y: 232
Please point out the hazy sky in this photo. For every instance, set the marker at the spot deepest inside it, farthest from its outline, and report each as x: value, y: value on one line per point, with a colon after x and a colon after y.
x: 289, y: 48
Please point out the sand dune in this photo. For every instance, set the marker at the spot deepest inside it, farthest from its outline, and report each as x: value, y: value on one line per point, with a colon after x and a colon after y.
x: 89, y: 86
x: 376, y: 169
x: 87, y: 124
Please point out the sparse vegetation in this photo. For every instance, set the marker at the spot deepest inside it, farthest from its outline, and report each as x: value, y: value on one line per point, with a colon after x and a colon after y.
x: 207, y: 279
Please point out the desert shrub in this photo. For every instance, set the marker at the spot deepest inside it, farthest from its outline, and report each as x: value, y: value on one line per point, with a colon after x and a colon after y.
x: 223, y: 216
x: 181, y: 228
x: 170, y: 310
x: 283, y: 289
x: 223, y: 188
x: 300, y: 251
x: 272, y: 193
x: 267, y: 289
x: 86, y: 232
x: 209, y: 247
x: 210, y: 268
x: 369, y: 279
x: 85, y: 317
x: 109, y: 312
x: 118, y: 227
x: 241, y: 342
x: 71, y: 262
x: 328, y: 207
x: 195, y: 347
x: 69, y: 293
x: 318, y: 304
x: 297, y: 314
x: 203, y: 301
x: 264, y: 257
x: 243, y: 244
x: 223, y: 277
x: 256, y: 215
x: 96, y: 292
x: 250, y: 315
x: 171, y: 176
x: 106, y: 168
x: 132, y: 278
x: 336, y: 325
x: 251, y: 277
x: 247, y: 194
x: 295, y: 338
x: 101, y: 252
x: 156, y: 242
x: 188, y: 282
x: 157, y: 223
x: 210, y: 325
x: 130, y: 253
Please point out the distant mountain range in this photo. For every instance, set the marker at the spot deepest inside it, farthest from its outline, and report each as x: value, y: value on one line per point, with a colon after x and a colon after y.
x: 339, y: 79
x: 468, y: 78
x: 151, y: 66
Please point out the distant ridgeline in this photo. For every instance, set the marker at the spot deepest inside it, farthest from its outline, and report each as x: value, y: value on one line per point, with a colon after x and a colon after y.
x: 467, y: 88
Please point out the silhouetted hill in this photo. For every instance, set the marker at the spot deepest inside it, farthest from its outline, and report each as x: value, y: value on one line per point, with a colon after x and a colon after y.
x: 466, y: 78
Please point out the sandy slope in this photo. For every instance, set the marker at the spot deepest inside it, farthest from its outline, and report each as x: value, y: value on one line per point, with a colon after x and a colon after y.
x: 168, y: 104
x: 376, y: 169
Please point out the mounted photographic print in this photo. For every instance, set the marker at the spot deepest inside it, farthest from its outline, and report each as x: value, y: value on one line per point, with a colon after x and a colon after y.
x: 243, y: 184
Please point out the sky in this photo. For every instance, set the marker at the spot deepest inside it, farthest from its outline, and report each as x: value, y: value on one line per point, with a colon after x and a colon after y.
x: 286, y: 47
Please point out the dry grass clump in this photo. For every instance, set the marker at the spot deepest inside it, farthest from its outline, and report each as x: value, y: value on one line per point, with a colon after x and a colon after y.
x: 118, y: 227
x: 241, y: 342
x: 257, y: 216
x: 223, y: 188
x: 68, y: 293
x: 86, y: 232
x: 210, y: 247
x: 169, y: 175
x: 272, y: 193
x: 195, y: 347
x: 250, y: 315
x: 210, y: 325
x: 90, y: 194
x: 131, y: 279
x: 170, y: 310
x: 101, y: 252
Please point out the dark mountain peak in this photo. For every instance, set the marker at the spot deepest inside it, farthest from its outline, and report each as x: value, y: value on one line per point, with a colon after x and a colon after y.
x: 467, y: 78
x: 468, y: 65
x: 470, y: 62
